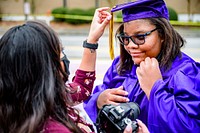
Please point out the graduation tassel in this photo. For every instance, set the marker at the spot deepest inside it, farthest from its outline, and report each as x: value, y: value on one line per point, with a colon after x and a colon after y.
x: 111, y: 48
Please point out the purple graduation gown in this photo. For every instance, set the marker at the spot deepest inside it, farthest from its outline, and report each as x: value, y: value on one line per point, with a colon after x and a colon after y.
x: 174, y: 103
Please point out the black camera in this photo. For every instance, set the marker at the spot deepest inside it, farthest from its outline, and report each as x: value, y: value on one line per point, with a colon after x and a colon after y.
x: 114, y: 119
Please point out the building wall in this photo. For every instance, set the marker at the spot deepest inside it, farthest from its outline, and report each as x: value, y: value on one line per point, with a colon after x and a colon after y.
x: 11, y: 6
x: 43, y: 6
x: 181, y: 6
x: 17, y: 6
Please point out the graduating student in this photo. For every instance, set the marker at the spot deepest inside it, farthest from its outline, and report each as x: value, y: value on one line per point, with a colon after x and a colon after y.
x: 152, y: 71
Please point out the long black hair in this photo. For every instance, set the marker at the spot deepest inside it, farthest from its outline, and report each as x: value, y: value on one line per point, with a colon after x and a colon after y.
x: 31, y: 80
x: 170, y: 49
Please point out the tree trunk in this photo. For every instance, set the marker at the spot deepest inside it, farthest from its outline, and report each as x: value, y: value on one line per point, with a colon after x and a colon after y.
x: 189, y: 10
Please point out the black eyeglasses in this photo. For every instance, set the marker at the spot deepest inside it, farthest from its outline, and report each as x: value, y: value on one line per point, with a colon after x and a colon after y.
x: 137, y: 39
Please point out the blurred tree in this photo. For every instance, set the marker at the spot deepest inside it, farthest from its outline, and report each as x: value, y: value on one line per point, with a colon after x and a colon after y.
x: 32, y: 6
x: 96, y: 3
x: 189, y: 10
x: 190, y: 13
x: 64, y: 3
x: 172, y: 14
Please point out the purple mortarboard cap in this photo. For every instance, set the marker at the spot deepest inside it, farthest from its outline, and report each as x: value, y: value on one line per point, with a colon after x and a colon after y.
x: 142, y: 9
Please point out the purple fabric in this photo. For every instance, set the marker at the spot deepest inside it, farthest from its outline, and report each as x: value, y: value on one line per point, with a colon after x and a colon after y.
x: 174, y: 104
x: 142, y: 9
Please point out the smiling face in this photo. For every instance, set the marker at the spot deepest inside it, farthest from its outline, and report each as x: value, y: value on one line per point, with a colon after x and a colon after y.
x: 152, y: 45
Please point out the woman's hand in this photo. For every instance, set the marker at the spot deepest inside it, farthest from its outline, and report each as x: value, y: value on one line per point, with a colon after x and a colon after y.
x: 148, y: 73
x: 112, y: 96
x: 100, y: 21
x: 128, y: 129
x: 141, y: 129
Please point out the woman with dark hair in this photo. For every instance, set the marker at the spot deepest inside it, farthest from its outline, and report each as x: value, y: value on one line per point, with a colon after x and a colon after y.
x: 33, y: 95
x: 151, y: 71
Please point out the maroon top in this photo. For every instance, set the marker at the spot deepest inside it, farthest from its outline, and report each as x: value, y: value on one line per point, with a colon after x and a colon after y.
x: 81, y: 88
x: 53, y: 126
x: 82, y: 85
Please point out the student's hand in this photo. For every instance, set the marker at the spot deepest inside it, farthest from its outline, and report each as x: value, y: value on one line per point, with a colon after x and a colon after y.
x: 148, y: 73
x: 112, y: 96
x: 100, y: 21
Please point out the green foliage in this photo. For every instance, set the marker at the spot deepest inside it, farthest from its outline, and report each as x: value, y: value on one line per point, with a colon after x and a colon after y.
x: 172, y: 14
x: 91, y: 11
x: 60, y: 10
x: 79, y: 20
x: 73, y: 16
x: 119, y: 15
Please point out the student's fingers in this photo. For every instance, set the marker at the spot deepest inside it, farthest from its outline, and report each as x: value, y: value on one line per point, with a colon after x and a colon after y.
x: 118, y: 95
x: 106, y: 21
x: 119, y: 91
x: 118, y: 99
x: 115, y: 95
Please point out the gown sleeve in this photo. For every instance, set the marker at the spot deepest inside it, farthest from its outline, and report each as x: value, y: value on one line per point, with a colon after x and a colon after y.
x: 174, y: 104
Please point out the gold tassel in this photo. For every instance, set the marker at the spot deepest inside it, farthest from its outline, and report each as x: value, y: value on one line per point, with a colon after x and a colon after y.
x: 111, y: 48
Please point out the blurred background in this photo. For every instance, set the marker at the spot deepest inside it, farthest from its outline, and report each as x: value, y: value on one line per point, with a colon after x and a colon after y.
x: 71, y: 20
x: 187, y: 10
